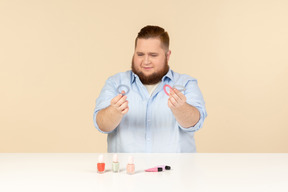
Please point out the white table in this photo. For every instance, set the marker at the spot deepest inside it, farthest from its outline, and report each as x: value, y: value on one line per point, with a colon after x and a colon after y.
x: 190, y: 172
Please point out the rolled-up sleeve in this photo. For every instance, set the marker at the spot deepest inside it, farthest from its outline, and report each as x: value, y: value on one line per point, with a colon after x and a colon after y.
x: 107, y: 93
x: 195, y: 98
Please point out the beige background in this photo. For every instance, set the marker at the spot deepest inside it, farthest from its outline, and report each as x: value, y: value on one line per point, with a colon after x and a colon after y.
x: 56, y: 56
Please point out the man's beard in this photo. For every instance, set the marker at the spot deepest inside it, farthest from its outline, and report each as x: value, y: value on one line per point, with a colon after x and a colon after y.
x: 154, y: 77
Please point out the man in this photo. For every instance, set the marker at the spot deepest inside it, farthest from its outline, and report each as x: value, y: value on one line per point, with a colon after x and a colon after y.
x: 134, y: 110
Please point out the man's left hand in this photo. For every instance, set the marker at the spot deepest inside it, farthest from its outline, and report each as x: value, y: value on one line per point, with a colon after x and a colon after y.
x: 176, y: 99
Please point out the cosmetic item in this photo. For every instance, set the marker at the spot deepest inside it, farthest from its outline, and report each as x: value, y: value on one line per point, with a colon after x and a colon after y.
x: 164, y: 167
x: 165, y: 89
x: 130, y: 166
x: 115, y: 164
x: 154, y: 169
x: 101, y: 164
x: 178, y: 87
x: 123, y: 89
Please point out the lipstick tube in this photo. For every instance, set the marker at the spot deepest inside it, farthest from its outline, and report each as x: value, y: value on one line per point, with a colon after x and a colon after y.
x: 154, y: 169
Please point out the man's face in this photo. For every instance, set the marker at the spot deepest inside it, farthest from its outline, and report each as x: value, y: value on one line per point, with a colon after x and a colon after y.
x: 150, y: 60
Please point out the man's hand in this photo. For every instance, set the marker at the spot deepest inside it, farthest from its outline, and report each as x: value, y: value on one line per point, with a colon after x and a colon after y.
x: 120, y: 104
x: 185, y: 114
x: 176, y: 99
x: 109, y: 118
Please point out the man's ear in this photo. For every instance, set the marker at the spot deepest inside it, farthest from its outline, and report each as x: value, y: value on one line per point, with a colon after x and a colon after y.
x: 168, y: 54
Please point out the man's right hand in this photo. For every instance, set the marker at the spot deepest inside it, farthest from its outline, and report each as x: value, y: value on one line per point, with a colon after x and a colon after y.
x: 109, y: 118
x: 120, y: 104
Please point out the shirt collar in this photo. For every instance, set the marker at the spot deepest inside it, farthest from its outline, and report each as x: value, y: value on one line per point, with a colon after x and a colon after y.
x: 169, y: 75
x: 133, y: 77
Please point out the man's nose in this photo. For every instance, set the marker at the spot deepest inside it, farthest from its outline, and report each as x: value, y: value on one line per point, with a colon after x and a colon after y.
x: 146, y: 60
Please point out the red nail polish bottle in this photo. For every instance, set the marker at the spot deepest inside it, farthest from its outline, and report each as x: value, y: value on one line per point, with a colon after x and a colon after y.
x: 101, y: 164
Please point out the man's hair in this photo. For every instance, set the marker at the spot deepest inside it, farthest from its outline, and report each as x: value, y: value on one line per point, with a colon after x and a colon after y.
x: 154, y: 32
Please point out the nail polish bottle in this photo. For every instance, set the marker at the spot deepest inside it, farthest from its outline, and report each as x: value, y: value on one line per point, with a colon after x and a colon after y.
x: 130, y: 166
x: 101, y: 164
x: 115, y: 164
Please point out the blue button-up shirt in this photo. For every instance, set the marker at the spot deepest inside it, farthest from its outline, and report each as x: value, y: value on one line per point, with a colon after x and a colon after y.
x: 150, y: 126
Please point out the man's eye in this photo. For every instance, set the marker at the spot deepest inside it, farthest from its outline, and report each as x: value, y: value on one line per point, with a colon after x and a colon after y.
x: 154, y: 55
x: 140, y: 54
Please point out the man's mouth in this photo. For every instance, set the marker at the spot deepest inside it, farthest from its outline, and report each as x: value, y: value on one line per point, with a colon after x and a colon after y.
x: 147, y: 68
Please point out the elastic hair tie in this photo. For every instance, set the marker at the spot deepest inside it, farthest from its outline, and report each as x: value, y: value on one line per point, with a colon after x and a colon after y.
x: 178, y: 87
x: 124, y: 88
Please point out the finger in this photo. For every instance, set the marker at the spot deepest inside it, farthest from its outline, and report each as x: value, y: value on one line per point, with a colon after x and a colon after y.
x: 172, y: 102
x: 125, y: 110
x: 170, y: 105
x: 116, y: 99
x: 121, y: 100
x: 178, y: 95
x: 176, y: 101
x: 123, y: 106
x: 175, y: 96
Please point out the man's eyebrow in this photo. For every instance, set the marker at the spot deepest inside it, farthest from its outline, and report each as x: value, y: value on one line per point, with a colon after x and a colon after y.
x: 148, y: 52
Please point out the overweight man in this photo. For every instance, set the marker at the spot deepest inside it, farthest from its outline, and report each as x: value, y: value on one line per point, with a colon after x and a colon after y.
x: 150, y: 108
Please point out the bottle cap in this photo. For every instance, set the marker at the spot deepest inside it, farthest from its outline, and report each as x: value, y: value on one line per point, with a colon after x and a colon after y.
x: 115, y: 158
x: 167, y: 167
x: 101, y: 159
x: 130, y: 160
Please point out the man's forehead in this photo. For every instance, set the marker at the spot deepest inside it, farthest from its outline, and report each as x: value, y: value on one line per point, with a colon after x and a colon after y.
x: 151, y: 44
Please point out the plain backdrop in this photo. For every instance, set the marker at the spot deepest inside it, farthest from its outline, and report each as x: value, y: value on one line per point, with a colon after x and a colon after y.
x: 56, y: 55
